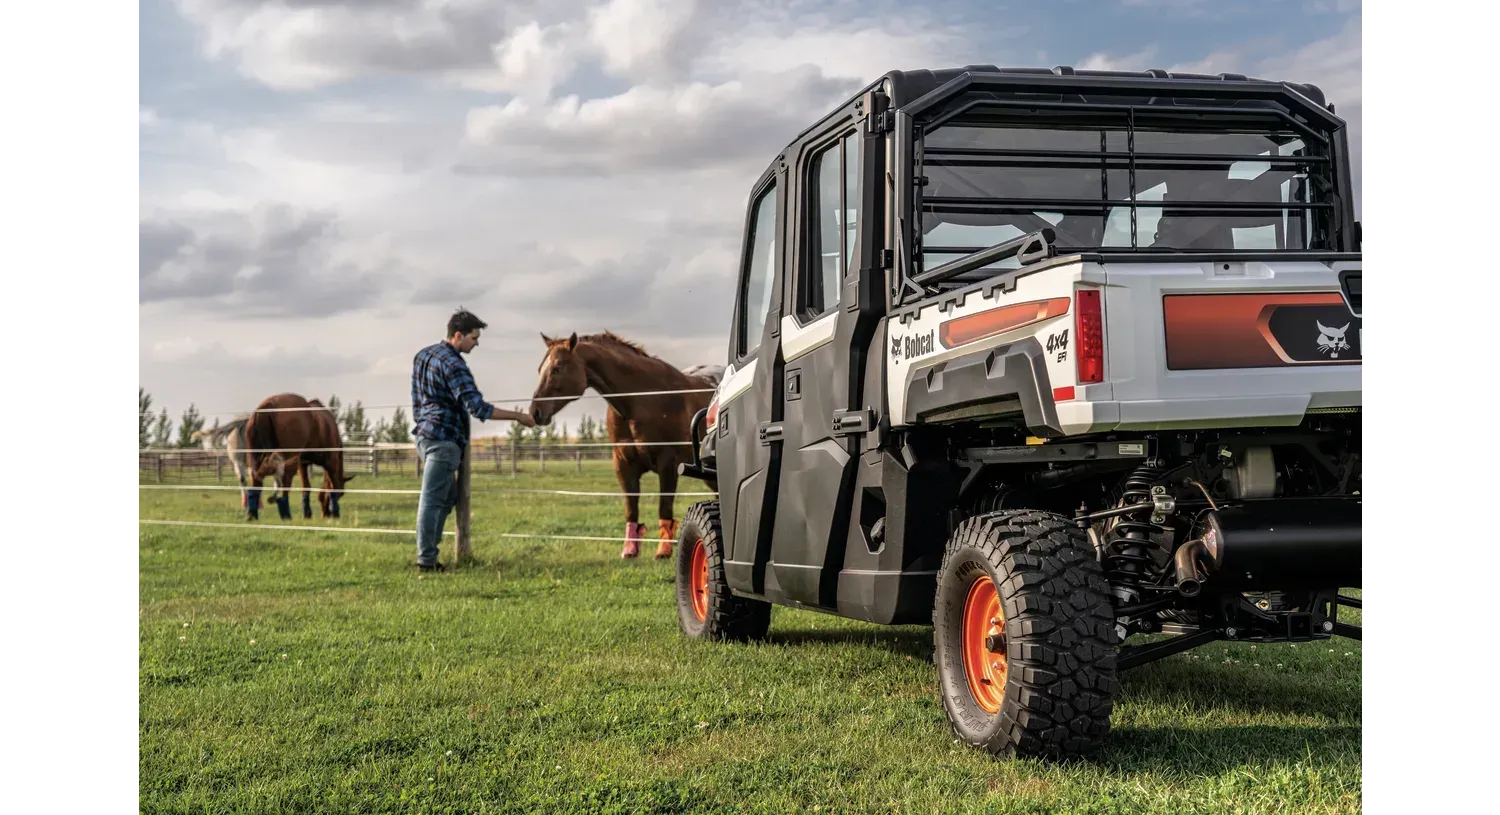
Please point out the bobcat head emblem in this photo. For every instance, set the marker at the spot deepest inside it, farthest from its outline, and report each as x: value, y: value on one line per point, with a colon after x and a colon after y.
x: 1331, y: 340
x: 896, y: 349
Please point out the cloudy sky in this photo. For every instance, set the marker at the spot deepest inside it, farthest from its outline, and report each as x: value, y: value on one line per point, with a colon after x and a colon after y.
x: 324, y: 181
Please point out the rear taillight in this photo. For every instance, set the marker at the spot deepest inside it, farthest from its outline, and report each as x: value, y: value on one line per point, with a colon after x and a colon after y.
x: 713, y: 414
x: 1088, y: 327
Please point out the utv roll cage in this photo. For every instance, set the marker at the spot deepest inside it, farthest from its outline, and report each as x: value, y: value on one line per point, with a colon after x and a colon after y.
x: 1138, y: 125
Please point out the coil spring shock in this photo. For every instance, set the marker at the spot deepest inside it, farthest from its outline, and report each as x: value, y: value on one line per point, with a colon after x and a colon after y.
x: 1125, y: 557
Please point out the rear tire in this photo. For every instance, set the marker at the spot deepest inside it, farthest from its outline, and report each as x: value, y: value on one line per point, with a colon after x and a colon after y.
x: 705, y: 607
x: 1024, y: 636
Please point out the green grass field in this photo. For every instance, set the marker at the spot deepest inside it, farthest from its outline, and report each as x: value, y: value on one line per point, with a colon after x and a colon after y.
x: 293, y: 671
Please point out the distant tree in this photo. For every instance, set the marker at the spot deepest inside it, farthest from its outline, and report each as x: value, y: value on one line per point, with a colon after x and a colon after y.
x: 586, y: 429
x: 162, y: 432
x: 192, y: 422
x: 382, y: 429
x: 399, y: 430
x: 517, y: 432
x: 550, y: 434
x: 333, y: 407
x: 144, y: 400
x: 356, y: 427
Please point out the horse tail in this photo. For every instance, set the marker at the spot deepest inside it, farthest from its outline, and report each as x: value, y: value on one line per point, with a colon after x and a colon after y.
x: 260, y: 438
x: 216, y: 435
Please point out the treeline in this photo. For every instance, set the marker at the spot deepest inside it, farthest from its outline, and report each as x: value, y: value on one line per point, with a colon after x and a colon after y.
x: 158, y: 429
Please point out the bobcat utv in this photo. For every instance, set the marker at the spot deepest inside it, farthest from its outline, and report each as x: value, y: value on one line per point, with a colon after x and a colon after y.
x: 1048, y: 359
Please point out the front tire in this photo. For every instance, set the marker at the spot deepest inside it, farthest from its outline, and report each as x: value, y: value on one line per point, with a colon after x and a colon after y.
x: 1024, y: 636
x: 706, y: 609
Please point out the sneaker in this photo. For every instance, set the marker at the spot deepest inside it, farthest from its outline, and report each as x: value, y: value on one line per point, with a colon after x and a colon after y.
x: 431, y: 567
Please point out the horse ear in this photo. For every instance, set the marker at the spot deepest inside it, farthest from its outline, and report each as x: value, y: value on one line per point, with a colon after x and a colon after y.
x: 573, y: 341
x: 350, y: 477
x: 546, y: 338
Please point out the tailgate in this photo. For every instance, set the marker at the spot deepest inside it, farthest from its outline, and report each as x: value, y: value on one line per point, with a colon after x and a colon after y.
x: 1223, y: 343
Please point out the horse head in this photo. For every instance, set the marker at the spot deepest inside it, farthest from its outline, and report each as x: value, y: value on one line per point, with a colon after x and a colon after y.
x: 563, y: 378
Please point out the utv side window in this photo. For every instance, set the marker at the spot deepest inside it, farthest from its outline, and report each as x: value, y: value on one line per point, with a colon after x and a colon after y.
x: 833, y: 203
x: 755, y: 298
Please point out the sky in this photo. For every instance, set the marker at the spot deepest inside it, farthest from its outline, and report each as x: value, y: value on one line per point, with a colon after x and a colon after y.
x: 322, y: 182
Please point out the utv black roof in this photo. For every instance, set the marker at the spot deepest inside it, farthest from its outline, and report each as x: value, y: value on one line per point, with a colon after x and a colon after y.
x: 916, y: 91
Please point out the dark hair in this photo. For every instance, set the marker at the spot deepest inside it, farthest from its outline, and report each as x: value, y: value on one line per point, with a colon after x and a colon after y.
x: 463, y: 322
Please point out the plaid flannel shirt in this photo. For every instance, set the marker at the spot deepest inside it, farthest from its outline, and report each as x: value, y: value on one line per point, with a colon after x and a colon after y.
x: 443, y: 394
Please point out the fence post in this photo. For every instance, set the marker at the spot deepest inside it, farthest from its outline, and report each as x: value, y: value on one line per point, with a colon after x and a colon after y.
x: 160, y: 469
x: 375, y: 462
x: 541, y: 457
x: 462, y: 552
x: 218, y: 467
x: 495, y: 448
x: 515, y: 454
x: 578, y: 457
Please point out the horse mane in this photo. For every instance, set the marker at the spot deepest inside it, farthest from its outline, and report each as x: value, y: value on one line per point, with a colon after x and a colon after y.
x: 611, y: 338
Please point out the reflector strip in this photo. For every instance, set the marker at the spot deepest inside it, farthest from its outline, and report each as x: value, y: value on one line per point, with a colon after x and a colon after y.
x: 1062, y: 394
x: 990, y: 322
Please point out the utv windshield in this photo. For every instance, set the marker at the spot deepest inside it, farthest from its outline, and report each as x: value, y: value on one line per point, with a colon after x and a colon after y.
x: 1120, y: 187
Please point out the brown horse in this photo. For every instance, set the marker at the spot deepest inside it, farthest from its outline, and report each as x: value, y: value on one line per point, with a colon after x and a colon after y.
x: 314, y: 432
x: 654, y: 429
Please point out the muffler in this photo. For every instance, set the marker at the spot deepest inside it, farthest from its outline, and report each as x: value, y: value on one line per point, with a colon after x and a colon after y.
x: 1284, y: 543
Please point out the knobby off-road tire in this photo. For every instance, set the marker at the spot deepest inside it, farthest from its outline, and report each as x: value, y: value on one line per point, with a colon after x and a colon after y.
x: 705, y: 608
x: 1044, y: 681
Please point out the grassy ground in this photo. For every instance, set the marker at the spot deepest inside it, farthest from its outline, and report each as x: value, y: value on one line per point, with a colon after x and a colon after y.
x: 291, y: 671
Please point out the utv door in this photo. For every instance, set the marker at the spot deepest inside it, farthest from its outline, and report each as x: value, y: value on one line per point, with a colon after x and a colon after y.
x: 820, y: 343
x: 748, y: 404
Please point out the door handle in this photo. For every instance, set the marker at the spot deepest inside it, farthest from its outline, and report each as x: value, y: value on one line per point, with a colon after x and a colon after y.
x: 770, y: 432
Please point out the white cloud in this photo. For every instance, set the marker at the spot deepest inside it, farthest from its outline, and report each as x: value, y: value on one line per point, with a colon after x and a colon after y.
x: 686, y: 127
x: 642, y: 39
x: 1099, y: 61
x: 271, y: 261
x: 534, y: 59
x: 314, y: 43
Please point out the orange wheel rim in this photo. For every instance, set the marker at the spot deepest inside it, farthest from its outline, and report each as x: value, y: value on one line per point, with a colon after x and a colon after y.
x: 698, y: 587
x: 984, y: 644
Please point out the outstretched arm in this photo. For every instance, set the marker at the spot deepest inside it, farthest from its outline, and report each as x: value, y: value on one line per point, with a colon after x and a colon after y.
x: 467, y: 394
x: 516, y: 416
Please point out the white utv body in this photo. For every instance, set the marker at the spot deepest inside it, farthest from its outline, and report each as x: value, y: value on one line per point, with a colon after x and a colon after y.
x: 1049, y: 360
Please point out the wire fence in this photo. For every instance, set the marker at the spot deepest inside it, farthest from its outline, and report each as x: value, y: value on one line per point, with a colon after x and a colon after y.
x: 512, y: 400
x: 189, y: 469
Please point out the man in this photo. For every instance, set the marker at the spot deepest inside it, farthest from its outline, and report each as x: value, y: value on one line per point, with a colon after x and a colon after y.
x: 443, y: 396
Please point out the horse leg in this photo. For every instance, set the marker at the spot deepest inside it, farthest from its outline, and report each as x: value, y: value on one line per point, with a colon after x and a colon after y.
x: 667, y: 477
x: 306, y: 496
x: 252, y: 490
x: 239, y: 473
x: 629, y: 476
x: 284, y: 488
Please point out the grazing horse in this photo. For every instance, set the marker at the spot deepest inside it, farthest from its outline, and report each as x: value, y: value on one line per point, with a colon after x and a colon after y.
x: 313, y: 432
x: 649, y: 430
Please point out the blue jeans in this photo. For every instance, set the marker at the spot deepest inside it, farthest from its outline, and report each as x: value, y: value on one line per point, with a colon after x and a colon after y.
x: 440, y: 461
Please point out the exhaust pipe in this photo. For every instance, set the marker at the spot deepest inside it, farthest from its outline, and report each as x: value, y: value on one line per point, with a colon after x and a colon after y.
x: 1189, y: 568
x: 1284, y: 544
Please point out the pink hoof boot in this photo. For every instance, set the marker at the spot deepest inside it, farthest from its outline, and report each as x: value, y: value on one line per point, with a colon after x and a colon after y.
x: 633, y: 535
x: 668, y: 537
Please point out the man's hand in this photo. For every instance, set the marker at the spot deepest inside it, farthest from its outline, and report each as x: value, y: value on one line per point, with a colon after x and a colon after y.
x: 521, y: 417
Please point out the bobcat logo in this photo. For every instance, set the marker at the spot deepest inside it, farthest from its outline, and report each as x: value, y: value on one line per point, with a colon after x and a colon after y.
x: 1331, y: 340
x: 895, y: 349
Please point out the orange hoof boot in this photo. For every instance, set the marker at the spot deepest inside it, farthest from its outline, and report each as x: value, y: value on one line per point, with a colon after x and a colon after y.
x: 633, y: 535
x: 668, y: 537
